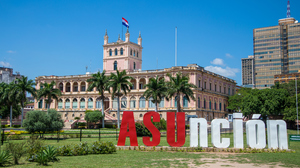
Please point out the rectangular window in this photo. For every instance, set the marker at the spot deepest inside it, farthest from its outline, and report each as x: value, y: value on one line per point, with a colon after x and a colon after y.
x: 82, y: 88
x: 204, y: 85
x: 199, y: 83
x: 220, y: 89
x: 215, y: 88
x: 209, y: 86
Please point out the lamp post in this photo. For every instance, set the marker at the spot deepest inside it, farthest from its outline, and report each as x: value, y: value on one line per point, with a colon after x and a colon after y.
x: 297, y: 107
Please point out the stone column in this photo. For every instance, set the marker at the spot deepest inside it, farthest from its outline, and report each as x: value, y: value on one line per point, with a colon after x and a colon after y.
x: 64, y: 86
x: 86, y: 102
x: 71, y: 85
x: 128, y: 102
x: 94, y: 102
x: 63, y: 103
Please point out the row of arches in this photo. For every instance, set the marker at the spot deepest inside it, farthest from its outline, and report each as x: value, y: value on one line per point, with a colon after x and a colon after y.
x: 116, y: 52
x: 211, y: 105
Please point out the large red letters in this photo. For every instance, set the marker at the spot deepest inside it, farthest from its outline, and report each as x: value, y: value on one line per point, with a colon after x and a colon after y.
x: 128, y: 129
x: 154, y: 131
x: 127, y: 121
x: 180, y: 129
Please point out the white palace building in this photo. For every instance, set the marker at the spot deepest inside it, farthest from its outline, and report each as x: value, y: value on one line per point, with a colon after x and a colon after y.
x: 211, y: 94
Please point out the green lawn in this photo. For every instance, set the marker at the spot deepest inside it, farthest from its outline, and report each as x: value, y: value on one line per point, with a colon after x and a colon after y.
x: 167, y: 159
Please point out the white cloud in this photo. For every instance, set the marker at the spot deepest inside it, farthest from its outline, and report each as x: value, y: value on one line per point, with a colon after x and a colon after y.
x: 228, y: 55
x: 218, y: 61
x: 228, y: 72
x: 11, y: 52
x: 4, y: 64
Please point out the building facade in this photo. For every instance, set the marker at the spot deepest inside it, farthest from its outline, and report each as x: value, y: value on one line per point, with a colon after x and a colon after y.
x: 7, y: 76
x: 286, y: 78
x: 248, y: 71
x: 211, y: 94
x: 276, y: 51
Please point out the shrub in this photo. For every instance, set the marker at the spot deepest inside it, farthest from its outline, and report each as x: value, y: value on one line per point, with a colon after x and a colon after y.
x: 5, y: 157
x: 80, y: 149
x: 103, y: 148
x: 14, y: 137
x: 51, y: 153
x: 17, y: 150
x: 141, y: 129
x: 81, y: 124
x: 42, y: 158
x: 34, y: 146
x: 65, y: 150
x: 16, y: 126
x: 187, y: 126
x: 161, y: 125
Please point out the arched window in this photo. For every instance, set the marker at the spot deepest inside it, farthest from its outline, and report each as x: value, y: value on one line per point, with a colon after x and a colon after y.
x: 82, y: 103
x: 121, y: 51
x: 116, y: 52
x: 215, y: 106
x: 204, y: 104
x: 141, y: 115
x: 123, y: 102
x: 67, y: 104
x: 133, y: 65
x: 185, y: 101
x: 114, y: 115
x: 61, y: 87
x: 74, y: 104
x: 115, y: 65
x: 115, y: 103
x: 60, y: 104
x: 142, y: 102
x: 162, y: 102
x: 220, y: 107
x: 137, y: 54
x: 229, y: 91
x: 110, y: 52
x: 40, y: 104
x: 210, y: 104
x: 90, y: 103
x: 151, y: 104
x: 175, y: 101
x: 199, y: 105
x: 134, y: 53
x: 98, y: 103
x: 130, y: 51
x: 132, y: 102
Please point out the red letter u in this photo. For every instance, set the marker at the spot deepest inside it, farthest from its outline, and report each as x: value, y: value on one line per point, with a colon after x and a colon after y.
x: 180, y: 129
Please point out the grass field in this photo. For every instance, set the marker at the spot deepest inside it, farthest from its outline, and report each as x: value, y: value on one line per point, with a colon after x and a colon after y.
x: 170, y: 159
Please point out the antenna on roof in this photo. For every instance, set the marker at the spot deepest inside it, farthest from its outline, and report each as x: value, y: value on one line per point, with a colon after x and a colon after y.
x: 288, y: 13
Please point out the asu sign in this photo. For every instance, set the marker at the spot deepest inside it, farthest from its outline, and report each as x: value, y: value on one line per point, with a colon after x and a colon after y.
x: 255, y: 131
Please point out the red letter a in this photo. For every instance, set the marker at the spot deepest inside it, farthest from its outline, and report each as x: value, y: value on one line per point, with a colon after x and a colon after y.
x: 127, y: 120
x: 154, y: 131
x: 180, y: 129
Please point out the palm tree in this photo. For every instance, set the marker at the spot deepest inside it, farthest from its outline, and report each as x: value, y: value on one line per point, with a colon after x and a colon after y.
x: 156, y: 89
x: 100, y: 81
x: 179, y: 85
x: 119, y: 83
x: 49, y: 92
x: 24, y: 85
x: 10, y: 96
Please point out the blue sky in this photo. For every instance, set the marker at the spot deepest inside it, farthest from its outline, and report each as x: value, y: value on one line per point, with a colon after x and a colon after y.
x: 39, y: 37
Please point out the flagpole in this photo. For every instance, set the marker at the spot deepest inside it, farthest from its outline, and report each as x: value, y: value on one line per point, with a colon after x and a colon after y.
x: 175, y: 46
x: 122, y: 31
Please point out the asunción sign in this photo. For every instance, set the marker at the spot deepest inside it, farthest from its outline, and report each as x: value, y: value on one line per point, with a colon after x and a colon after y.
x: 255, y: 131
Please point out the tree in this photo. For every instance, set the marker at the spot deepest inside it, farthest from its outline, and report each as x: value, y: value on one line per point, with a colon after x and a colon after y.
x: 24, y: 85
x: 156, y: 89
x: 39, y: 121
x: 235, y: 101
x: 119, y: 83
x: 94, y: 116
x: 265, y: 102
x: 179, y: 85
x: 10, y: 96
x: 100, y: 82
x: 49, y: 91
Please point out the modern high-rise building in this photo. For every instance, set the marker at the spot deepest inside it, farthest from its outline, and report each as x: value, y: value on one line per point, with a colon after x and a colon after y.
x: 248, y: 71
x: 276, y: 51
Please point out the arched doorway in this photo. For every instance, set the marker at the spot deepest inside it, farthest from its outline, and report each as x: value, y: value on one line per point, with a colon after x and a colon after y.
x: 106, y: 103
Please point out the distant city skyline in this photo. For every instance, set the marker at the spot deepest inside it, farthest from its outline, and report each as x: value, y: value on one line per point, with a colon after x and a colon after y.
x: 59, y: 38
